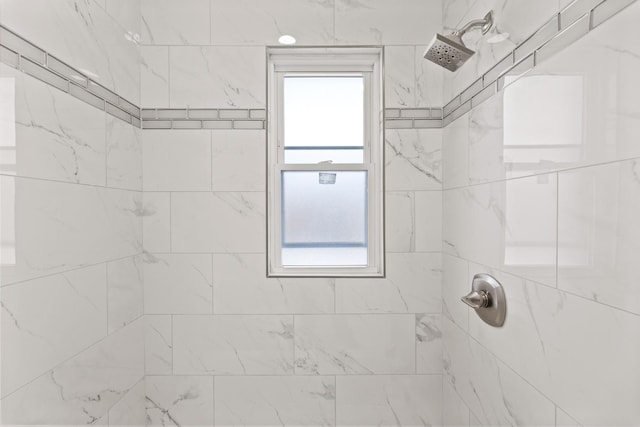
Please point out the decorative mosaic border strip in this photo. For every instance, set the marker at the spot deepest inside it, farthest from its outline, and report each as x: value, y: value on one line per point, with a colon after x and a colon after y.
x: 203, y: 118
x: 564, y: 28
x: 25, y: 56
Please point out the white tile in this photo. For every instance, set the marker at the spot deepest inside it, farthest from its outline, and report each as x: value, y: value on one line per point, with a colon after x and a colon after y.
x: 258, y: 23
x: 154, y: 76
x: 389, y: 400
x: 239, y: 161
x: 413, y: 159
x: 233, y: 345
x: 130, y: 410
x: 455, y: 285
x: 455, y: 153
x: 56, y: 136
x: 220, y: 77
x: 412, y: 285
x: 124, y: 155
x: 240, y: 286
x: 399, y: 77
x: 158, y: 345
x: 382, y: 22
x: 178, y: 160
x: 264, y: 400
x: 493, y: 392
x: 75, y: 392
x: 489, y: 157
x: 165, y: 22
x: 454, y: 412
x: 179, y: 400
x: 355, y: 344
x: 599, y: 234
x: 429, y: 80
x: 52, y: 227
x: 127, y: 15
x: 428, y: 344
x: 560, y: 337
x: 413, y: 221
x: 37, y: 335
x: 81, y: 34
x: 125, y: 291
x: 156, y: 222
x: 177, y: 283
x: 239, y: 225
x: 508, y: 225
x: 564, y: 420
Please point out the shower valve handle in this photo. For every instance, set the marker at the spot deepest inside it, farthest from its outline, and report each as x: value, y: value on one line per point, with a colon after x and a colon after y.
x: 477, y: 299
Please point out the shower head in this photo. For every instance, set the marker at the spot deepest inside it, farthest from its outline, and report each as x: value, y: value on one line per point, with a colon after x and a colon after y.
x: 449, y: 51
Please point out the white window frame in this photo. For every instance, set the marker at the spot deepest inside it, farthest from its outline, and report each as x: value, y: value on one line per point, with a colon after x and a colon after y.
x: 322, y: 61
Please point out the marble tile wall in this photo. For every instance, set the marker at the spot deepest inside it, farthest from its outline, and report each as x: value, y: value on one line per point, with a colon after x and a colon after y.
x: 224, y: 343
x: 541, y: 190
x: 71, y: 285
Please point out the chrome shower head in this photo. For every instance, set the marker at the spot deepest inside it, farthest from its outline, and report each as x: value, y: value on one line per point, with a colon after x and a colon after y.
x: 449, y: 51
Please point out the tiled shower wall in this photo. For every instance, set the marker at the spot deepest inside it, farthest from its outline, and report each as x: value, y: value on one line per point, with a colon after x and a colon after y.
x: 541, y: 189
x: 256, y: 351
x: 71, y: 230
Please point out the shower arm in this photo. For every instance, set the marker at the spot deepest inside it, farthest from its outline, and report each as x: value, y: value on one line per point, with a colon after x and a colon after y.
x: 485, y: 25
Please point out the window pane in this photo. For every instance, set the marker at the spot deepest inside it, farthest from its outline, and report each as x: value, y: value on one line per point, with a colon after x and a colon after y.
x: 324, y: 218
x: 317, y: 155
x: 323, y: 112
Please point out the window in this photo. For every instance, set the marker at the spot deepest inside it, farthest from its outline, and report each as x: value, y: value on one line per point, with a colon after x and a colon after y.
x: 325, y: 162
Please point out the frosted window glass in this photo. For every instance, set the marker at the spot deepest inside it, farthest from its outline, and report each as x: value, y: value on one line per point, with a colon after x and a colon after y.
x: 324, y: 218
x: 323, y: 112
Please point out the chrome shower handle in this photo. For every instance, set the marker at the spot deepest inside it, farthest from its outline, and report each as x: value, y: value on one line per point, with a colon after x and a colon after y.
x: 477, y: 299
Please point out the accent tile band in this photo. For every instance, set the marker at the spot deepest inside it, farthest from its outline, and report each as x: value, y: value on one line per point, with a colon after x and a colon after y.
x: 564, y: 28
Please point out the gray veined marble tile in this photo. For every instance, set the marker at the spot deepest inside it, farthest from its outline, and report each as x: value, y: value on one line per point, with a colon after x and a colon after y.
x: 179, y: 401
x: 239, y: 225
x: 154, y: 71
x: 75, y: 392
x: 240, y: 287
x: 124, y: 155
x: 220, y: 76
x: 598, y: 233
x: 238, y: 160
x: 387, y: 400
x: 454, y: 411
x: 125, y: 291
x: 129, y: 411
x: 412, y: 285
x: 156, y: 224
x: 254, y: 22
x: 413, y: 159
x: 275, y: 400
x: 428, y: 344
x: 399, y: 74
x: 64, y: 226
x: 493, y: 392
x: 355, y: 344
x: 165, y: 22
x: 413, y: 221
x: 158, y: 347
x: 177, y: 160
x: 233, y: 345
x: 177, y: 284
x: 373, y: 22
x: 38, y: 335
x: 56, y: 136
